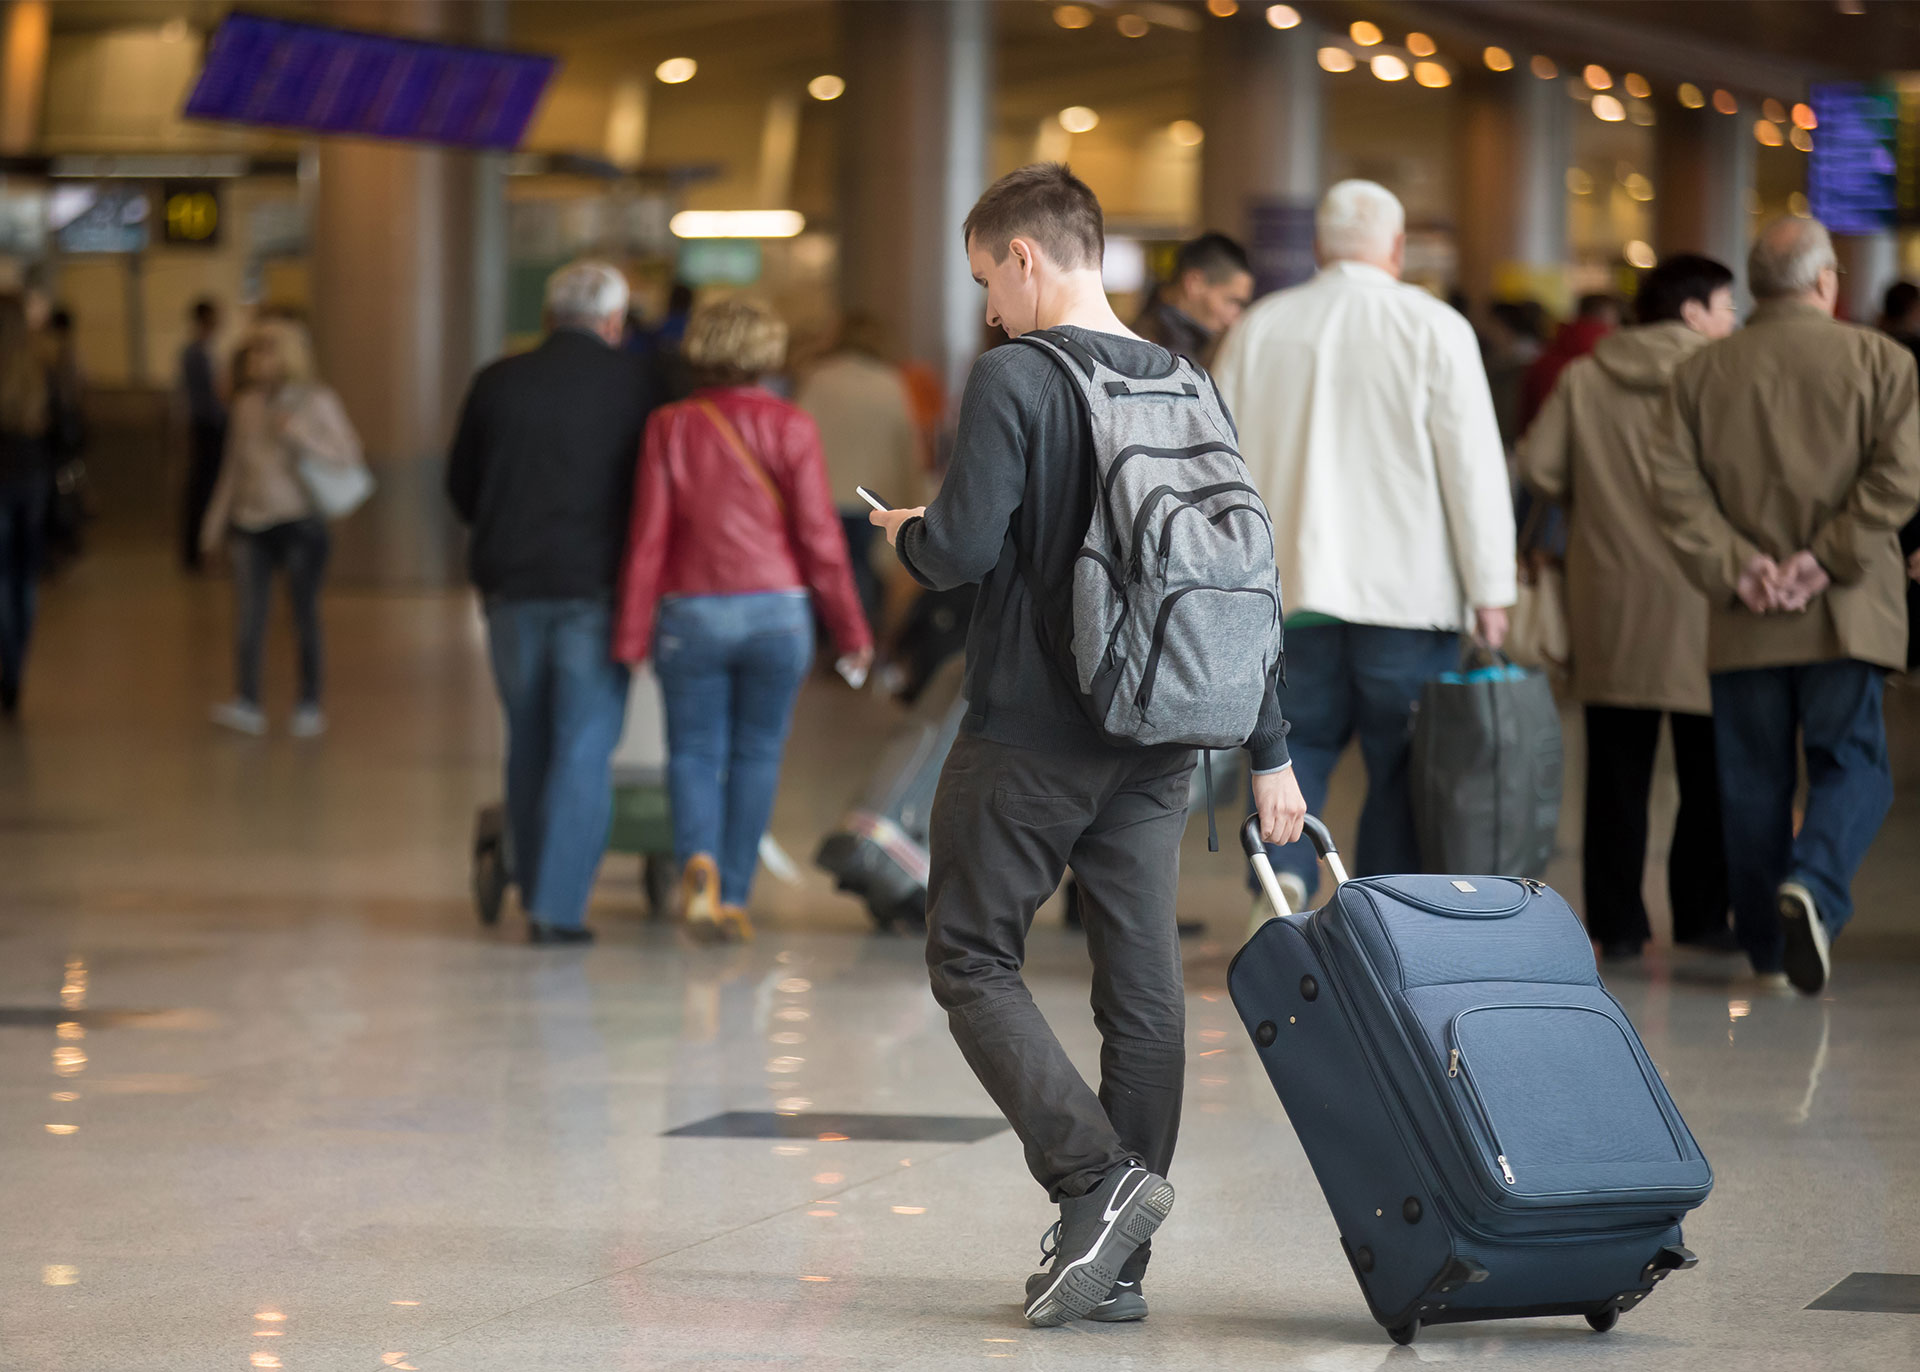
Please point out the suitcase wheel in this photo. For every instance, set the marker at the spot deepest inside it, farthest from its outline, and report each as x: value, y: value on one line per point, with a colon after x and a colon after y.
x: 1403, y: 1334
x: 1603, y: 1319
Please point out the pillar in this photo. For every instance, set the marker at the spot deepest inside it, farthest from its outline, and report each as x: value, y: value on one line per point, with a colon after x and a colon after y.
x: 402, y: 235
x: 23, y: 76
x: 913, y: 163
x: 1869, y: 264
x: 1263, y: 111
x: 1704, y: 185
x: 1516, y: 135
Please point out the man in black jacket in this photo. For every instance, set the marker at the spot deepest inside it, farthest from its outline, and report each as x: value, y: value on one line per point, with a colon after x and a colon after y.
x: 542, y: 471
x: 1031, y: 786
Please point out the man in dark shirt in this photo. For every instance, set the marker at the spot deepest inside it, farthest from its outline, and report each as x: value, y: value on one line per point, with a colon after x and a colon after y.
x: 206, y: 426
x: 1031, y: 787
x: 542, y: 471
x: 1211, y: 287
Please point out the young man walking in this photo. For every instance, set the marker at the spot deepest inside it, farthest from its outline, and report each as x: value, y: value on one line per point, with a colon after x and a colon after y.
x: 1032, y: 786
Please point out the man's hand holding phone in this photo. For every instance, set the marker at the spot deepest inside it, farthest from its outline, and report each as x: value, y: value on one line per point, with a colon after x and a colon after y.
x: 884, y: 516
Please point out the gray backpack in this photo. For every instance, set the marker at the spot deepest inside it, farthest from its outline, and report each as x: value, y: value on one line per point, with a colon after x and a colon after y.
x: 1175, y: 605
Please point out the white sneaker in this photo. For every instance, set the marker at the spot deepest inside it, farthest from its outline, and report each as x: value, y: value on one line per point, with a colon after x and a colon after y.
x: 240, y: 717
x: 309, y: 721
x: 1295, y: 890
x: 1809, y: 953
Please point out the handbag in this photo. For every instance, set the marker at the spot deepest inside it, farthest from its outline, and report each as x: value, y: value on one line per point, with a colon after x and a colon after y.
x: 327, y: 455
x: 1539, y: 634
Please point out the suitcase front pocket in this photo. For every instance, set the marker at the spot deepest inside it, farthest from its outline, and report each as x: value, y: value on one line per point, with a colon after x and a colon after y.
x: 1564, y: 1105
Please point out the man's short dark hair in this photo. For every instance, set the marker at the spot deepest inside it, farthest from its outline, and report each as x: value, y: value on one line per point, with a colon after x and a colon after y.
x: 1213, y: 254
x: 1899, y: 302
x: 204, y: 310
x: 1598, y: 306
x: 1047, y: 203
x: 1684, y: 277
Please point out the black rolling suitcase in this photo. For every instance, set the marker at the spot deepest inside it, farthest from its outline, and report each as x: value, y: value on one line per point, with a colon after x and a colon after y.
x: 1490, y: 1134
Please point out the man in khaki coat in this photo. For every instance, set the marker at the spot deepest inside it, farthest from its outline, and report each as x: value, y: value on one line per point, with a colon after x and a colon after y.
x: 1789, y: 461
x: 1639, y: 628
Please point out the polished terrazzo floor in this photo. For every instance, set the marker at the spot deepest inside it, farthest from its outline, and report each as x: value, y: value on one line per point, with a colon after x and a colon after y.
x: 273, y: 1100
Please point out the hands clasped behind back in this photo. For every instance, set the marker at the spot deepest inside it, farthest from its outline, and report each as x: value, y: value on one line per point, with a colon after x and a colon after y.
x: 1769, y: 587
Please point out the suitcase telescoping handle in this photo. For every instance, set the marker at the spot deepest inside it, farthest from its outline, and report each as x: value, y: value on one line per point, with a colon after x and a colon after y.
x: 1263, y: 869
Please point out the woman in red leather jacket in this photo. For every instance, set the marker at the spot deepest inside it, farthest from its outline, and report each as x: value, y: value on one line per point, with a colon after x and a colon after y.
x: 735, y: 541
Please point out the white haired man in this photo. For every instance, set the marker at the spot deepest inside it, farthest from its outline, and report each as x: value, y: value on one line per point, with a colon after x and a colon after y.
x: 542, y: 473
x: 1365, y: 418
x: 1789, y: 459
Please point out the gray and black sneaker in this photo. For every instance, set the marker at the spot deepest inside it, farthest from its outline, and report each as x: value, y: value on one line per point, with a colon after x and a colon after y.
x: 1809, y: 952
x: 1096, y: 1235
x: 1124, y: 1304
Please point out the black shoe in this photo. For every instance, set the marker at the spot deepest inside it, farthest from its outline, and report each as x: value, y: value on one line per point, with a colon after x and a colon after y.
x: 1096, y: 1235
x: 1722, y: 940
x: 1123, y: 1305
x: 558, y: 933
x: 1808, y: 954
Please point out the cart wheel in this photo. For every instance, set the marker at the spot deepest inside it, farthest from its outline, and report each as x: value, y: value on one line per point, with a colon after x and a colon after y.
x: 656, y: 880
x: 489, y: 880
x: 1403, y: 1334
x: 1603, y: 1320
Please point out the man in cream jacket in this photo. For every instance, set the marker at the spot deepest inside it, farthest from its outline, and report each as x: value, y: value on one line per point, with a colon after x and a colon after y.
x: 1365, y: 419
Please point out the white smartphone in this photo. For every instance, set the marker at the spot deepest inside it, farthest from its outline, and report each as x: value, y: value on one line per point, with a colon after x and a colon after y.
x: 871, y: 498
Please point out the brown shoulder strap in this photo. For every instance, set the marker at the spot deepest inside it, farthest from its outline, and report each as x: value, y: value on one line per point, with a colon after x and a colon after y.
x: 738, y: 445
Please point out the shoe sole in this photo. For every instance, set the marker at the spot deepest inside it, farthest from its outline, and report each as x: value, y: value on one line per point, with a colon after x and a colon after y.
x: 1805, y: 958
x: 1119, y: 1310
x: 1078, y: 1291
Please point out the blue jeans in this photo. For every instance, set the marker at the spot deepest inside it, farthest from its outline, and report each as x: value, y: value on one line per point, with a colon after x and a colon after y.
x: 566, y: 700
x: 730, y: 668
x: 1835, y: 708
x: 1348, y: 679
x: 23, y: 520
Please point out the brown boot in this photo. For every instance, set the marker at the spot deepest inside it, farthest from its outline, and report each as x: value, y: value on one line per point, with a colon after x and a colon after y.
x: 700, y: 899
x: 735, y: 926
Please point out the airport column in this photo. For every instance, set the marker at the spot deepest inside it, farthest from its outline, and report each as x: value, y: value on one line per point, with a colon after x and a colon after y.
x: 913, y: 161
x: 397, y: 233
x: 1704, y: 178
x: 1516, y: 134
x: 1263, y: 112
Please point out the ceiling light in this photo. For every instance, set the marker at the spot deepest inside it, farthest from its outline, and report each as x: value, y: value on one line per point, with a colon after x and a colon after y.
x: 1638, y: 254
x: 1609, y: 109
x: 1432, y: 75
x: 1336, y: 60
x: 1774, y: 110
x: 1801, y: 139
x: 1641, y: 113
x: 1798, y: 205
x: 676, y: 71
x: 1365, y: 34
x: 1767, y: 133
x: 1639, y: 187
x: 1803, y: 116
x: 1579, y: 182
x: 1690, y: 96
x: 1072, y: 16
x: 1597, y: 77
x: 1637, y: 85
x: 826, y: 87
x: 1497, y: 59
x: 1724, y: 102
x: 1421, y: 46
x: 1223, y: 9
x: 1389, y: 67
x: 737, y: 223
x: 1132, y: 26
x: 1078, y: 119
x: 1544, y: 68
x: 1283, y: 16
x: 1186, y: 134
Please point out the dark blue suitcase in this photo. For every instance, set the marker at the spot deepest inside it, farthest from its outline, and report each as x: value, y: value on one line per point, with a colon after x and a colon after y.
x: 1491, y: 1136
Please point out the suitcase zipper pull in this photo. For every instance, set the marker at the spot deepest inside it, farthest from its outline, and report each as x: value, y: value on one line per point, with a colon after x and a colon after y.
x: 1453, y: 1064
x: 1505, y: 1170
x: 1534, y: 886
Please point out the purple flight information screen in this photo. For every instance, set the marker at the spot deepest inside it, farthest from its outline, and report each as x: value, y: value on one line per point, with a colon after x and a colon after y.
x: 1850, y: 176
x: 370, y: 85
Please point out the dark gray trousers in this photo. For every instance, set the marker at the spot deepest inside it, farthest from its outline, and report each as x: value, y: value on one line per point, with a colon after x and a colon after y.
x: 1007, y: 822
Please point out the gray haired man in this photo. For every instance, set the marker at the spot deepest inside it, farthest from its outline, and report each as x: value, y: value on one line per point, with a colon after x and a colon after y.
x: 1789, y: 459
x: 542, y: 474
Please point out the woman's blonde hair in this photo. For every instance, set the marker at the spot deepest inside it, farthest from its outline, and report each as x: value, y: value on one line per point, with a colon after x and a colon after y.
x: 23, y: 378
x: 288, y: 338
x: 737, y: 337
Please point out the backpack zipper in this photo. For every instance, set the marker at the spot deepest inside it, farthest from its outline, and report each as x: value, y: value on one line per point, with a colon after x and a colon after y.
x: 1144, y: 696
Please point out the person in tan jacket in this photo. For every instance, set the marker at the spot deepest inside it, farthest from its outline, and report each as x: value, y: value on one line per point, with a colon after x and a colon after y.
x: 1639, y: 628
x: 1789, y: 459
